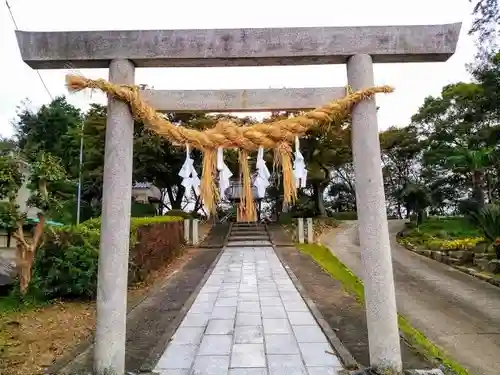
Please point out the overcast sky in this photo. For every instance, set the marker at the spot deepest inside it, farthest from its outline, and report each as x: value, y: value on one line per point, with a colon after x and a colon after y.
x: 413, y: 82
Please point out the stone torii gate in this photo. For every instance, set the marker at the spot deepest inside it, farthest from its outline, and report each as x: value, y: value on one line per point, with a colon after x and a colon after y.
x: 123, y: 51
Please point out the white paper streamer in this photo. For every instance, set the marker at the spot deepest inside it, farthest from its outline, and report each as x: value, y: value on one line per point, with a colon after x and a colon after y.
x: 299, y: 167
x: 262, y: 180
x: 190, y: 179
x: 224, y: 173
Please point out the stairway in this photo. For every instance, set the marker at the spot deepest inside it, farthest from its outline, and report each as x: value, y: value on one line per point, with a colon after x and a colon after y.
x: 248, y: 234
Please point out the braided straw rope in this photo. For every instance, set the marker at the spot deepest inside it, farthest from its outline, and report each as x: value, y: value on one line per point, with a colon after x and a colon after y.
x: 228, y: 134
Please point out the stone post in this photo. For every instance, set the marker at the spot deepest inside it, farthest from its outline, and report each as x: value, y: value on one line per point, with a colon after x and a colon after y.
x: 195, y: 232
x: 310, y: 235
x: 381, y: 313
x: 300, y: 229
x: 109, y: 349
x: 186, y: 231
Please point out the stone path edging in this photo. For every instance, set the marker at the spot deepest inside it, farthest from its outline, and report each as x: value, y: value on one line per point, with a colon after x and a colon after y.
x: 225, y: 331
x: 345, y: 356
x: 478, y: 275
x: 163, y: 341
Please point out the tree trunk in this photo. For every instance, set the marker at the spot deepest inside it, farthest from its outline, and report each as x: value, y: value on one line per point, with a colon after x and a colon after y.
x: 420, y: 217
x: 319, y: 190
x: 489, y: 189
x: 400, y: 214
x: 477, y: 187
x: 178, y: 198
x: 408, y: 211
x: 25, y: 252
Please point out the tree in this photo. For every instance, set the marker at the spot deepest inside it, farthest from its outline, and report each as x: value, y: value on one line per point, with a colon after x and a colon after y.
x: 416, y: 198
x: 485, y: 23
x: 475, y: 162
x: 457, y: 132
x: 46, y: 174
x: 7, y: 146
x: 55, y: 129
x: 401, y: 150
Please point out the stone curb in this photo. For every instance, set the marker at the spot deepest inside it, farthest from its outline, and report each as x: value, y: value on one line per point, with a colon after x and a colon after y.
x: 344, y: 355
x: 157, y: 351
x: 478, y: 275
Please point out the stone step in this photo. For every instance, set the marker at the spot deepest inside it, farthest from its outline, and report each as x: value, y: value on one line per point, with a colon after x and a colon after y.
x: 248, y: 244
x: 249, y: 234
x: 248, y: 228
x: 248, y: 238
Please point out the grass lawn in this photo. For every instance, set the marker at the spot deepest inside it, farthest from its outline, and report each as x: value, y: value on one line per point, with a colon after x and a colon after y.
x: 335, y: 268
x: 449, y: 228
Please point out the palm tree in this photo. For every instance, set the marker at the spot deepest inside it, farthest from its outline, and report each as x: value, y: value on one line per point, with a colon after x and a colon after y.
x: 488, y: 218
x: 474, y: 162
x: 416, y: 197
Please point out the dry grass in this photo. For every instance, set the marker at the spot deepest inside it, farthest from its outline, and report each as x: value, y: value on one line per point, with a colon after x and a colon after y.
x: 31, y: 339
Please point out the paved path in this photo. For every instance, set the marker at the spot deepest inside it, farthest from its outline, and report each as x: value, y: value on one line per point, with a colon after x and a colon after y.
x: 248, y: 319
x: 7, y: 265
x: 454, y: 310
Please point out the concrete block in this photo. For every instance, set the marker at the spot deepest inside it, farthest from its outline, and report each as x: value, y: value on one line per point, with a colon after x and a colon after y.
x: 248, y: 356
x: 186, y: 231
x: 281, y: 344
x: 195, y: 239
x: 318, y: 354
x: 310, y: 233
x: 300, y: 229
x: 238, y: 47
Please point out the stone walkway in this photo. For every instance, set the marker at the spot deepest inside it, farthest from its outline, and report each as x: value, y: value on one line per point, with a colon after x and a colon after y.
x: 249, y: 319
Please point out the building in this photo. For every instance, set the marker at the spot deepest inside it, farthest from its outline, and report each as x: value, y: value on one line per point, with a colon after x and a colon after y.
x: 145, y: 192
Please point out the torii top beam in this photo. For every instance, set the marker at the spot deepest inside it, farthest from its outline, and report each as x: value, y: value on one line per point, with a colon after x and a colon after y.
x: 238, y: 47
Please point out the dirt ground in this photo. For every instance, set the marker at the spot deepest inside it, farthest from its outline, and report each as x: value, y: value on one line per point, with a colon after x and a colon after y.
x: 31, y: 341
x: 36, y: 338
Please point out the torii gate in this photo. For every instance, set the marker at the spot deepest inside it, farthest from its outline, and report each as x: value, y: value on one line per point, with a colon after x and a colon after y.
x: 123, y: 51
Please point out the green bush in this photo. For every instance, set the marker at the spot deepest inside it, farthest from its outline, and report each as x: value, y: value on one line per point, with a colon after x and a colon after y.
x: 287, y: 218
x: 142, y: 210
x: 66, y: 264
x: 179, y: 213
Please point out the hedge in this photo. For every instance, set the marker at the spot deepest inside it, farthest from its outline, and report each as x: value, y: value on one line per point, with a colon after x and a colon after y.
x: 66, y: 263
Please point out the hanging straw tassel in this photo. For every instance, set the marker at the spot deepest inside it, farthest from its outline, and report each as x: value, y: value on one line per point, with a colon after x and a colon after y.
x: 285, y: 159
x: 247, y: 206
x: 208, y: 188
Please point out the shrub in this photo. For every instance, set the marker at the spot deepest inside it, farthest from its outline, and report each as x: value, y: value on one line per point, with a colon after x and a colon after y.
x: 458, y: 244
x: 179, y: 213
x: 66, y: 264
x: 142, y: 209
x: 287, y: 218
